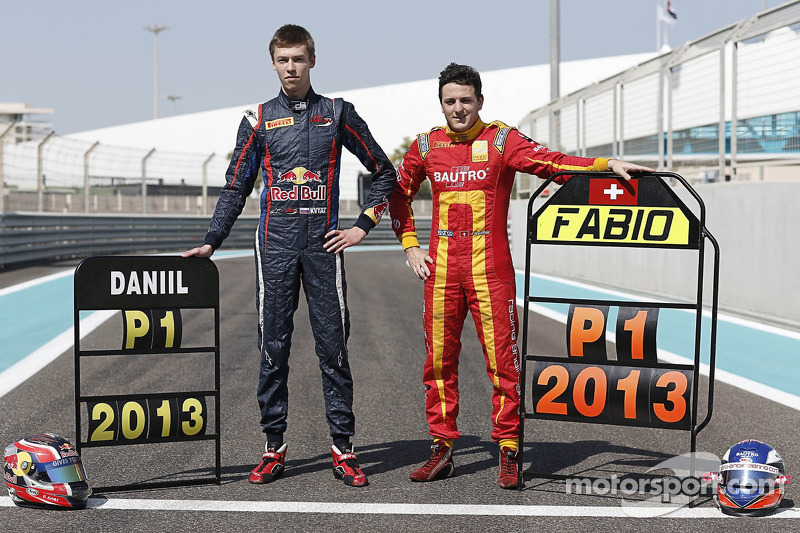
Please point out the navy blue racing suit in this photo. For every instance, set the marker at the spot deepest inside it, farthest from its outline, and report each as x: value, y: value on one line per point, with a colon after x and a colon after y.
x: 297, y: 145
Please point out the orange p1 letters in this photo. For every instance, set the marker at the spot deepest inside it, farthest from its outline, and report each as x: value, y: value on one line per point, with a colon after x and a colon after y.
x: 586, y: 332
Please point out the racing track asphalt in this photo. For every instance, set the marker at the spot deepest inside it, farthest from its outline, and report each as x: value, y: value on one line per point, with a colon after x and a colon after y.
x: 386, y: 357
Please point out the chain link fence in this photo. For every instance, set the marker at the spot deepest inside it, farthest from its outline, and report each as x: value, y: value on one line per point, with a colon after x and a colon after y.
x: 57, y: 174
x: 63, y: 175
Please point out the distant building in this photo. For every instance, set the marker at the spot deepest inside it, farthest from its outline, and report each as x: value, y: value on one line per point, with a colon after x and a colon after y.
x: 26, y: 129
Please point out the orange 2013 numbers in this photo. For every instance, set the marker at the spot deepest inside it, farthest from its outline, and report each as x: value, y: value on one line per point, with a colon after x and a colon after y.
x: 612, y: 393
x: 548, y: 404
x: 598, y: 403
x: 677, y: 410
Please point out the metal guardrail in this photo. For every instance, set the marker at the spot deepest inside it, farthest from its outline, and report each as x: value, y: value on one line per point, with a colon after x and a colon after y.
x: 29, y: 238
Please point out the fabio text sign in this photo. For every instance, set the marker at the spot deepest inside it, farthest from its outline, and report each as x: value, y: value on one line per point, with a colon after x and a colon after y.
x: 642, y: 212
x: 611, y: 372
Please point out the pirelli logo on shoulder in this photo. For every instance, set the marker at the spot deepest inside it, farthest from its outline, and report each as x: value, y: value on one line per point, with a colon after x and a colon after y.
x: 280, y: 123
x: 613, y: 225
x: 609, y: 211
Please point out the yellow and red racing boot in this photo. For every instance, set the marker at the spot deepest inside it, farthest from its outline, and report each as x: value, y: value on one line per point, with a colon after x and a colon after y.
x: 509, y: 474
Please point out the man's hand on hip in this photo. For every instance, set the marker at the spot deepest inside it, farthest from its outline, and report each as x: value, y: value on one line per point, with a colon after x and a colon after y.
x: 339, y: 239
x: 418, y: 260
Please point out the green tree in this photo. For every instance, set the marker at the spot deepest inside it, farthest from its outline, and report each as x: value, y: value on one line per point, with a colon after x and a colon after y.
x: 397, y: 156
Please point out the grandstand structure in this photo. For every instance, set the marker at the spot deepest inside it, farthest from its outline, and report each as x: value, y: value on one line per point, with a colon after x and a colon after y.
x: 724, y: 107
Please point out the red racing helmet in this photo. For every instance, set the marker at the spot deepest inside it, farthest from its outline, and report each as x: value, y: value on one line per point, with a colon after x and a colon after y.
x: 45, y: 470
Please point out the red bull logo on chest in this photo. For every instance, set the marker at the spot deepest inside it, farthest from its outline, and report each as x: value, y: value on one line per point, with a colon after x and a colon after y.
x: 300, y: 177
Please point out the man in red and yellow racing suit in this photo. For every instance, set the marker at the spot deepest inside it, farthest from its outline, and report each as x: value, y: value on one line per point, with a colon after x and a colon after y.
x: 471, y: 166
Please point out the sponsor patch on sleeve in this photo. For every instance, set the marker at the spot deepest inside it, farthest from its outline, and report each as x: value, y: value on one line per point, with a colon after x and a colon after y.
x: 500, y: 139
x: 424, y: 144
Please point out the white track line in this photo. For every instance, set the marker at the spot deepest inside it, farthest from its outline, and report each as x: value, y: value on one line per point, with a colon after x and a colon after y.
x: 417, y: 509
x: 37, y: 281
x: 17, y: 373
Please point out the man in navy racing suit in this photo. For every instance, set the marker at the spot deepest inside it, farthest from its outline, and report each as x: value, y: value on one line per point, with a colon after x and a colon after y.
x: 296, y: 141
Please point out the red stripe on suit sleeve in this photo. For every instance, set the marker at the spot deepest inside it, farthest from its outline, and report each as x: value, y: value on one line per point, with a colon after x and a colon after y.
x: 377, y: 168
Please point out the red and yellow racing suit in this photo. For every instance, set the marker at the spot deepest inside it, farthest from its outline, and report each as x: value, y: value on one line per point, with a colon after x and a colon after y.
x: 471, y: 176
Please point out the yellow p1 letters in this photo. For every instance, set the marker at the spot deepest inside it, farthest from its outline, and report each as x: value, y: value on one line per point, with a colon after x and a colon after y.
x: 156, y: 329
x: 137, y: 330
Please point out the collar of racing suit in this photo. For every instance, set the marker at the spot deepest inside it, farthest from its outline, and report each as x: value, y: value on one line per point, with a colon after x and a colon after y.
x: 465, y: 136
x: 296, y: 105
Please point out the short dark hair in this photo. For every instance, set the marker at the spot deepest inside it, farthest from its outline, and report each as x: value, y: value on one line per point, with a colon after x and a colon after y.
x: 291, y: 35
x: 462, y: 75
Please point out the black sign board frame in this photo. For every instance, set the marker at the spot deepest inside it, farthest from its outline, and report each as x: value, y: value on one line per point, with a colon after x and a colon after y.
x: 575, y: 216
x: 129, y: 283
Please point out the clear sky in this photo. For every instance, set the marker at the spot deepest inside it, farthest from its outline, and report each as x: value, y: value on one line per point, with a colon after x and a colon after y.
x: 92, y: 61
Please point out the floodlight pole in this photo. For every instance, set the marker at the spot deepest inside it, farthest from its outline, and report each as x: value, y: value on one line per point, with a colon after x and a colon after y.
x: 555, y: 66
x: 555, y: 51
x: 172, y: 98
x: 155, y: 29
x: 3, y: 136
x: 40, y: 171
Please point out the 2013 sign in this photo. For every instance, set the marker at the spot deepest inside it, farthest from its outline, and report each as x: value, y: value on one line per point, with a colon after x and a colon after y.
x: 147, y: 420
x: 613, y: 393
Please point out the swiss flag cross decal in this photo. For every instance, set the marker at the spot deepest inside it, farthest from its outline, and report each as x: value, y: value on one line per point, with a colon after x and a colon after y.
x: 613, y: 191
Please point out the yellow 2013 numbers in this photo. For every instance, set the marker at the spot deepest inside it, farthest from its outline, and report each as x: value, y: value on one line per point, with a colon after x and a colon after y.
x: 147, y: 420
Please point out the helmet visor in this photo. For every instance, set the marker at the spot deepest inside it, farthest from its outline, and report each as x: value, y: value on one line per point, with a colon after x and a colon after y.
x: 749, y: 479
x: 68, y: 470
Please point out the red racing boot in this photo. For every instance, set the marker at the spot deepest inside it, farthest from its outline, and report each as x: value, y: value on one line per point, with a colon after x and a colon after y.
x: 271, y: 466
x: 345, y: 467
x: 509, y: 475
x: 439, y: 466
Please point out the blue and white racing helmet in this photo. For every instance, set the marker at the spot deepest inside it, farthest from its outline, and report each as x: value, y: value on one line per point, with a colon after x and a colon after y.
x: 752, y: 479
